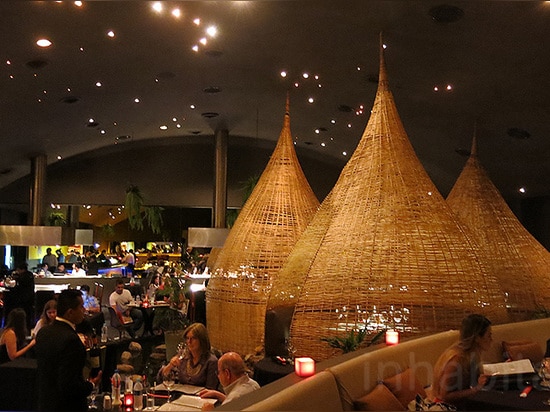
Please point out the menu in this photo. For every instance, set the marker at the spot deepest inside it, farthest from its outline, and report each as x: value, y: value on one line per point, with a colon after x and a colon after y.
x: 182, y: 388
x: 186, y: 402
x: 508, y: 368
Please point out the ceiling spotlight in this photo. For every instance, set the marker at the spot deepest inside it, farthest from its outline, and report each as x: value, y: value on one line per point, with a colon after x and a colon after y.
x: 283, y: 74
x: 176, y: 13
x: 212, y: 31
x: 43, y: 43
x: 111, y: 33
x: 157, y: 6
x: 197, y: 22
x: 522, y: 190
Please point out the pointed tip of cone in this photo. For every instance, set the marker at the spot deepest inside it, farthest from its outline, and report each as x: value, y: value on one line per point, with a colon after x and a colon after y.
x: 382, y: 76
x: 287, y: 105
x: 473, y: 151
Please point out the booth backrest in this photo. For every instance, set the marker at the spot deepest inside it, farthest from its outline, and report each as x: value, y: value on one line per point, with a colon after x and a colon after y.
x: 344, y: 379
x: 319, y: 390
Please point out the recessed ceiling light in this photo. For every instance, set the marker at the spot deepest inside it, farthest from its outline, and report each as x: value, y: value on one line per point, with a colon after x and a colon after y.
x: 157, y: 6
x: 212, y: 31
x: 176, y: 13
x: 43, y: 43
x: 163, y: 127
x: 210, y: 115
x: 522, y: 190
x: 111, y: 33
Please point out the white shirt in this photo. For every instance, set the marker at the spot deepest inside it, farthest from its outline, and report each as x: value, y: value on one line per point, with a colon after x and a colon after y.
x: 78, y: 272
x: 121, y: 301
x: 238, y: 388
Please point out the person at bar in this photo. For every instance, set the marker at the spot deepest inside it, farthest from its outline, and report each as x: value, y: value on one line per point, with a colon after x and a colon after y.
x: 457, y: 372
x: 77, y: 270
x: 234, y: 379
x: 197, y: 365
x: 50, y: 259
x: 61, y: 357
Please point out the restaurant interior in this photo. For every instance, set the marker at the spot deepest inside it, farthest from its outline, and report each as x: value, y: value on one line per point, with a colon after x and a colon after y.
x: 320, y: 184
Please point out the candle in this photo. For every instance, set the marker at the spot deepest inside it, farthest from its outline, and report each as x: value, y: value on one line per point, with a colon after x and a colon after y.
x: 392, y: 337
x: 128, y: 399
x: 304, y: 367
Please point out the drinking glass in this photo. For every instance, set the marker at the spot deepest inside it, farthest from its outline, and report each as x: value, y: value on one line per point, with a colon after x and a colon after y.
x: 93, y: 394
x: 169, y: 380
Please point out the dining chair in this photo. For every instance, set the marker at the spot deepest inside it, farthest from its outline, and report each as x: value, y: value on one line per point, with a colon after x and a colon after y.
x: 115, y: 323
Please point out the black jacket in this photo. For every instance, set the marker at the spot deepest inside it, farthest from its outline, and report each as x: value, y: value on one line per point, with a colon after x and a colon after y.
x: 61, y: 358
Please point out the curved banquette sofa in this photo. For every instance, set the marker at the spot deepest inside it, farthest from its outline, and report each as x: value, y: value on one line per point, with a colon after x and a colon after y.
x: 341, y: 382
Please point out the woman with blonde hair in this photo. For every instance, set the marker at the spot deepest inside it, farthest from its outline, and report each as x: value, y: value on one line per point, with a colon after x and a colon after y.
x: 197, y: 365
x: 457, y: 372
x: 48, y: 315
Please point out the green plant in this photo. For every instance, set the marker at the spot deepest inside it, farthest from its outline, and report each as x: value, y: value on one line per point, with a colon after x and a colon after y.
x: 541, y: 312
x: 108, y: 231
x: 353, y: 340
x: 137, y: 212
x: 133, y: 204
x: 57, y: 219
x: 171, y: 318
x: 153, y: 215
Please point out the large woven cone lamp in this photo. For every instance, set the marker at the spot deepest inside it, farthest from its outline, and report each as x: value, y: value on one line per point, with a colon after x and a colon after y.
x: 269, y: 224
x: 518, y: 261
x: 389, y: 252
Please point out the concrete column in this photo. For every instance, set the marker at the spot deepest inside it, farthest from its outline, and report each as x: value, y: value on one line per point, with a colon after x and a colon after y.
x: 220, y: 178
x: 38, y: 187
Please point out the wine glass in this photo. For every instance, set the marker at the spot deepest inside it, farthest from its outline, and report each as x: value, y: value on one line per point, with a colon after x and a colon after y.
x: 169, y: 380
x: 93, y: 394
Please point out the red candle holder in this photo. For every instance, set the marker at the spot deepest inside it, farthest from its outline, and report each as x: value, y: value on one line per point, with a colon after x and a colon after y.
x: 392, y: 337
x: 128, y: 400
x: 304, y: 367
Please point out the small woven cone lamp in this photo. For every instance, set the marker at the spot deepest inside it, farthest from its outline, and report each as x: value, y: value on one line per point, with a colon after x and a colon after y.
x: 389, y: 252
x: 269, y: 224
x: 518, y: 261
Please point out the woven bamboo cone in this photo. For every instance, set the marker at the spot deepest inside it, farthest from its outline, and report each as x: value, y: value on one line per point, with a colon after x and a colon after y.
x: 388, y: 252
x: 518, y: 261
x: 269, y: 224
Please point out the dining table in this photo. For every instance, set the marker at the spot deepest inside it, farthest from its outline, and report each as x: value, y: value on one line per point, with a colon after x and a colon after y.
x: 509, y: 400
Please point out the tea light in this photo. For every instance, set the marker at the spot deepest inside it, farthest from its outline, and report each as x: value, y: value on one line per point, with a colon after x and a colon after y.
x: 392, y: 337
x: 128, y: 399
x: 304, y: 367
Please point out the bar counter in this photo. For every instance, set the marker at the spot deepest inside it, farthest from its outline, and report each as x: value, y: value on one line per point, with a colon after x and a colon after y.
x: 108, y: 282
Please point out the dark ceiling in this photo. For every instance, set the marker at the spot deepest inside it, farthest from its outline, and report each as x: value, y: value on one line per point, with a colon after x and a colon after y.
x: 494, y: 55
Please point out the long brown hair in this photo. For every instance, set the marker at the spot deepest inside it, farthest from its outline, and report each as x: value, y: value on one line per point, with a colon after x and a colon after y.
x: 50, y: 304
x: 17, y: 320
x: 200, y: 332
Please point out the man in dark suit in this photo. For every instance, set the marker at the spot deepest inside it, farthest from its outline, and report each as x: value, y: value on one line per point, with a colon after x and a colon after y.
x: 61, y: 357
